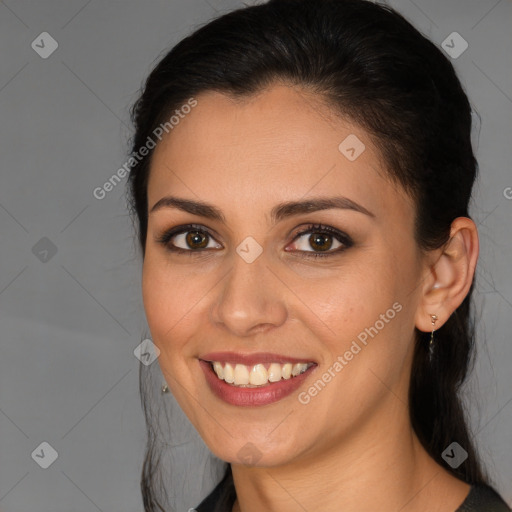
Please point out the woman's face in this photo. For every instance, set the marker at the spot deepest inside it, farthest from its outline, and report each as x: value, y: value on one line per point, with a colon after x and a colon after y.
x: 251, y: 284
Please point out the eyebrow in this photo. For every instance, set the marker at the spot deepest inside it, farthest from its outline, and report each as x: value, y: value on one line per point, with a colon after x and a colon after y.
x: 280, y: 212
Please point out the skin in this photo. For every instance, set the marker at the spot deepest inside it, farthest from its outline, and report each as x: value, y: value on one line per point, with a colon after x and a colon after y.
x: 353, y: 443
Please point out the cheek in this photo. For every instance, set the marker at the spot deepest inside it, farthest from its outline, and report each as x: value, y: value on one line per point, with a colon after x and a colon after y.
x: 161, y: 293
x: 353, y: 296
x: 153, y: 295
x: 174, y: 301
x: 364, y: 310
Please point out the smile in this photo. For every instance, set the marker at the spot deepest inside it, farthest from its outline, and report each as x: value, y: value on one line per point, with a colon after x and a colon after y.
x: 254, y: 379
x: 257, y: 375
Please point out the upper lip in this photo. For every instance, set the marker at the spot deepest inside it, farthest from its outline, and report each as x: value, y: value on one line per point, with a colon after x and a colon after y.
x: 252, y: 359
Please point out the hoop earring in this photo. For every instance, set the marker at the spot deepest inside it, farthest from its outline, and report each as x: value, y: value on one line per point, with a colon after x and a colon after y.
x: 431, y: 344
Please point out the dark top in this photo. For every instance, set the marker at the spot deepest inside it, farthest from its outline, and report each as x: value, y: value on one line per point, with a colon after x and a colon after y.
x: 481, y: 498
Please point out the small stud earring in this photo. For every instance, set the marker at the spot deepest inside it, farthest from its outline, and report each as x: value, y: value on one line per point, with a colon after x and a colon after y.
x: 431, y: 344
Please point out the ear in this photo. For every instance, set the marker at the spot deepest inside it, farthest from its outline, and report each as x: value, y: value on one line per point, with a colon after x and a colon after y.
x: 448, y: 279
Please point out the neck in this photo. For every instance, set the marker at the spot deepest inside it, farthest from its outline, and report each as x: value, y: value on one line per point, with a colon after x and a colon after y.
x: 383, y: 469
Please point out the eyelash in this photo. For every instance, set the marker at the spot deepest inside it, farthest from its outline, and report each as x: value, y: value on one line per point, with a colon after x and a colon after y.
x: 165, y: 238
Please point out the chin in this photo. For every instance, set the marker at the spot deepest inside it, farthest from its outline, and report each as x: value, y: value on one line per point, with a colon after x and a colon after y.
x: 253, y: 450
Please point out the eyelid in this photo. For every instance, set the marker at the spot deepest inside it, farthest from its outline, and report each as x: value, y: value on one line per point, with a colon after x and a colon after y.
x: 322, y: 228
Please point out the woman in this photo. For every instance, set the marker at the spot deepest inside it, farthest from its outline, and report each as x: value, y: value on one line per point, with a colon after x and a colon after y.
x: 308, y: 258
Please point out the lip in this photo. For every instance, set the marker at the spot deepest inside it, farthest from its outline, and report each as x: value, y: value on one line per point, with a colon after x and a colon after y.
x: 252, y: 359
x: 250, y: 397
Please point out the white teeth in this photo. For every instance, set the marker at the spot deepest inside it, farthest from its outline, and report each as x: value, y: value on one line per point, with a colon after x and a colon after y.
x: 241, y: 375
x: 298, y: 368
x: 286, y: 371
x: 218, y: 369
x: 229, y: 374
x: 257, y: 375
x: 274, y: 372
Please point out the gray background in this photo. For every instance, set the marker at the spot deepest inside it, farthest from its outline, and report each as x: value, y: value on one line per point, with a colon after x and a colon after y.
x: 70, y: 321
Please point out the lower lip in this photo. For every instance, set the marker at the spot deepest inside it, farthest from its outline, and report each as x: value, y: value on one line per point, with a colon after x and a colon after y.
x: 263, y: 395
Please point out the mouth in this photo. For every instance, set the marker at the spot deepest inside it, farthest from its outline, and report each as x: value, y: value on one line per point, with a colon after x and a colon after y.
x: 255, y: 379
x: 259, y: 374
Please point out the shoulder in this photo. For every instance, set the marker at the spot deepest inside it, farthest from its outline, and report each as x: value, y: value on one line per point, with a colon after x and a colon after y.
x: 483, y: 498
x: 222, y: 498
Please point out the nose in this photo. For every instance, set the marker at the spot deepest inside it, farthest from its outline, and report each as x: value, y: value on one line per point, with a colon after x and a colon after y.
x: 249, y: 300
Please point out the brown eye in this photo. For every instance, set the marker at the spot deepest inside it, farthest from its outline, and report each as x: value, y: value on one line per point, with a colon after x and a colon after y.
x: 320, y: 241
x: 187, y: 239
x: 317, y: 240
x: 196, y: 239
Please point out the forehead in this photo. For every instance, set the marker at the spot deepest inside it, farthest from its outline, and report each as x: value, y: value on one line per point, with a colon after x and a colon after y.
x: 281, y: 144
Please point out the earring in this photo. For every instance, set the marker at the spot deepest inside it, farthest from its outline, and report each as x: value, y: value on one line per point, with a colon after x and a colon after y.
x: 431, y: 344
